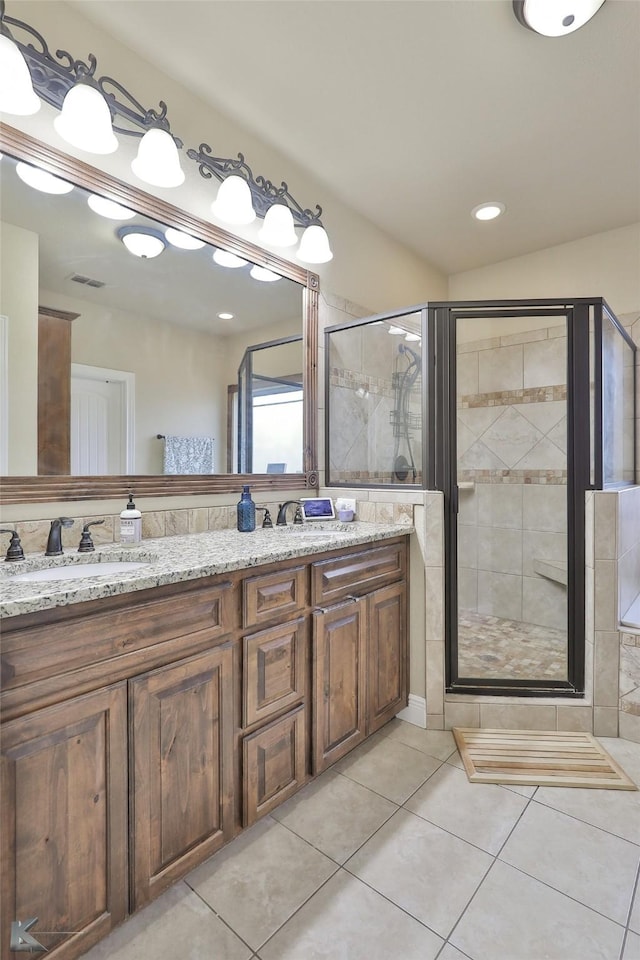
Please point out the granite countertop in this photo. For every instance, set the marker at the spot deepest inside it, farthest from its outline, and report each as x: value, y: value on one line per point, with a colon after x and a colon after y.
x: 176, y: 559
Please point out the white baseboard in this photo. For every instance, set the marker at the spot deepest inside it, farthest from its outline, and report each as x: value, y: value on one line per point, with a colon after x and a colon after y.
x: 415, y: 712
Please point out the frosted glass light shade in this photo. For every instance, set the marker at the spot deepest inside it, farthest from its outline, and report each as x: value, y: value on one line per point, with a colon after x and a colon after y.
x: 233, y: 203
x: 183, y: 240
x: 261, y: 273
x: 314, y: 245
x: 142, y: 242
x: 158, y: 160
x: 85, y: 120
x: 553, y: 19
x: 278, y: 229
x: 41, y: 180
x: 226, y: 259
x: 109, y: 208
x: 17, y: 95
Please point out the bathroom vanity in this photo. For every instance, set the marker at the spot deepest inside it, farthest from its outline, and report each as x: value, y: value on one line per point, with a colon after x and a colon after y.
x: 148, y: 719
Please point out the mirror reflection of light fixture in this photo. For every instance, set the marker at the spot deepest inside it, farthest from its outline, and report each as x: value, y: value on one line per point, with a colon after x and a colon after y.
x: 261, y: 273
x: 226, y: 259
x: 41, y: 180
x: 233, y: 203
x: 314, y: 245
x: 489, y: 210
x: 143, y: 242
x: 183, y: 240
x: 555, y: 18
x: 412, y: 337
x: 85, y: 120
x: 17, y: 95
x: 278, y: 229
x: 158, y: 160
x: 109, y: 208
x: 396, y: 331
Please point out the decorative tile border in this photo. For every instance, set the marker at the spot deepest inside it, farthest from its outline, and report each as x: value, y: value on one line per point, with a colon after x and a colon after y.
x: 558, y: 477
x: 500, y: 398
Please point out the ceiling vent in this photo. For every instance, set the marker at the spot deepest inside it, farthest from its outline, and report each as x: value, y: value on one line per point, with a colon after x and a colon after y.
x: 87, y: 281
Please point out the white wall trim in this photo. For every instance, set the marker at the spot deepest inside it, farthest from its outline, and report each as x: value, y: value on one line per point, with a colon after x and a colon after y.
x: 415, y: 712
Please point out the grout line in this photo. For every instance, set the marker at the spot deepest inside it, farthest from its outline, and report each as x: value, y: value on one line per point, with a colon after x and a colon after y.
x: 219, y: 916
x: 580, y: 819
x: 634, y: 893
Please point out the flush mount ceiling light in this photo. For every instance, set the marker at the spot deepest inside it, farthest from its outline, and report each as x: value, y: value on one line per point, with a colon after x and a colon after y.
x: 109, y: 208
x: 555, y: 18
x: 183, y: 240
x: 488, y: 211
x: 41, y: 180
x: 261, y: 273
x: 225, y: 259
x: 143, y: 242
x: 93, y: 109
x: 225, y: 316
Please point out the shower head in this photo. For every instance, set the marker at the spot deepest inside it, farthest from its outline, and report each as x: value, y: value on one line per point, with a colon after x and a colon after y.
x: 403, y: 348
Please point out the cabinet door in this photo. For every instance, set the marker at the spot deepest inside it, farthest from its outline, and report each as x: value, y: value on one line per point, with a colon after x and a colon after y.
x: 339, y: 679
x: 64, y: 822
x: 274, y: 764
x: 273, y: 671
x: 386, y: 654
x: 182, y: 767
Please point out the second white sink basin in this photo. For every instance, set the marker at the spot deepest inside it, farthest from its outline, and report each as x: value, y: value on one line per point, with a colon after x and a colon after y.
x: 78, y: 571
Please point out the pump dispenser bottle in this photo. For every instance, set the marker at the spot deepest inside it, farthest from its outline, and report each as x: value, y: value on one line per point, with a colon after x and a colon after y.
x: 246, y: 512
x: 130, y: 523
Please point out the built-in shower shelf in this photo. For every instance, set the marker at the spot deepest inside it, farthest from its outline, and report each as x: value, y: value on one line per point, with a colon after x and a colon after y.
x: 552, y: 570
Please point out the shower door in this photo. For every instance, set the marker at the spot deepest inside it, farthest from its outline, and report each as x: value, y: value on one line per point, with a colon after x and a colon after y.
x: 515, y: 577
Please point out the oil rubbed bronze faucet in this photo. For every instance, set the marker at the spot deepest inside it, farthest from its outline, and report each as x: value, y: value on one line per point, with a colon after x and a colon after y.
x: 282, y: 513
x: 54, y: 543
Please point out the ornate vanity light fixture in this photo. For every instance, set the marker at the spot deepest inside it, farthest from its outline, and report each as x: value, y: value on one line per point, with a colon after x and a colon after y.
x: 555, y: 18
x: 92, y: 110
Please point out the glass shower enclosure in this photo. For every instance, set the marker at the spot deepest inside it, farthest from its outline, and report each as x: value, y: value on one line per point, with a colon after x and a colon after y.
x: 519, y: 408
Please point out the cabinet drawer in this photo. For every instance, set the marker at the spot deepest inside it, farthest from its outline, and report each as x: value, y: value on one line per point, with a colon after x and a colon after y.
x: 273, y: 670
x: 357, y: 573
x: 271, y: 596
x: 274, y: 764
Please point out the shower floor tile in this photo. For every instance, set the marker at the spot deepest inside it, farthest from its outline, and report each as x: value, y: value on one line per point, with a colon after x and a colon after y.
x: 509, y: 649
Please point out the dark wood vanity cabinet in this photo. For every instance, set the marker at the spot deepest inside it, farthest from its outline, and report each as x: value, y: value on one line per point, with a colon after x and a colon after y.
x: 142, y: 732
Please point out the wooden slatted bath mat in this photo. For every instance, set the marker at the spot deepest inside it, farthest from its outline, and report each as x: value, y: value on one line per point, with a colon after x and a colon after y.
x: 539, y: 758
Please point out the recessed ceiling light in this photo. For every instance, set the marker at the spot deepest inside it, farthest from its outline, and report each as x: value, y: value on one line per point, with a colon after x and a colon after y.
x: 41, y: 180
x: 225, y: 316
x: 488, y: 211
x: 108, y: 208
x: 261, y: 273
x: 226, y: 259
x: 183, y: 240
x: 555, y: 18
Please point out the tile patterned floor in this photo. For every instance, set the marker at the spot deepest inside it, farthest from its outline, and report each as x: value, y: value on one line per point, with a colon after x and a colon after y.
x: 393, y: 855
x: 509, y: 649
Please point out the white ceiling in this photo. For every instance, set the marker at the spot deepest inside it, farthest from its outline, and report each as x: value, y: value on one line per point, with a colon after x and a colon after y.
x: 414, y: 111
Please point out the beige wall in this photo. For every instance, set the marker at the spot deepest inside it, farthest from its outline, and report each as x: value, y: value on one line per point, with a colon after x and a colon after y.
x: 604, y: 265
x: 19, y: 303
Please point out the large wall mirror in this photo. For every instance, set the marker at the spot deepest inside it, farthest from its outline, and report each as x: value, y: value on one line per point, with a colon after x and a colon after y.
x: 114, y: 363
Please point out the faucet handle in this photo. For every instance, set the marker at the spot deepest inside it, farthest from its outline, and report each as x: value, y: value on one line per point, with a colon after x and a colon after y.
x: 266, y: 520
x: 15, y: 551
x: 297, y: 517
x: 86, y: 543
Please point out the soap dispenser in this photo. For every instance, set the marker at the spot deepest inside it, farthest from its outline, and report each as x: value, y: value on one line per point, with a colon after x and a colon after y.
x: 246, y: 511
x: 130, y: 523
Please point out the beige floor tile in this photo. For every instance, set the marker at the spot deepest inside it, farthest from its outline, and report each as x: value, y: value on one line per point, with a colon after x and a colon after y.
x: 436, y: 743
x: 514, y: 917
x: 582, y: 861
x: 421, y: 868
x: 632, y: 947
x: 626, y: 753
x: 388, y: 767
x: 335, y: 815
x: 617, y: 811
x: 260, y: 879
x: 634, y: 921
x: 177, y: 924
x: 483, y: 814
x: 450, y: 952
x: 346, y: 920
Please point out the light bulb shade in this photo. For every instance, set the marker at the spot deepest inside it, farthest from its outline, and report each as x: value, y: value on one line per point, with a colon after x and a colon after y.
x: 277, y: 229
x: 224, y: 258
x: 41, y: 180
x: 233, y: 203
x: 158, y: 160
x: 85, y: 120
x: 553, y: 19
x: 314, y: 245
x: 261, y: 273
x: 109, y: 208
x: 17, y: 95
x: 143, y: 242
x: 183, y: 240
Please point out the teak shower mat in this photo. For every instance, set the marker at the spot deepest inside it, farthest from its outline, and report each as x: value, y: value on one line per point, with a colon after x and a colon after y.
x: 539, y: 758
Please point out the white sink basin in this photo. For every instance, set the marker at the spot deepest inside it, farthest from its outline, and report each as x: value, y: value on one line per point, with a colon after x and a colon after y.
x: 78, y: 571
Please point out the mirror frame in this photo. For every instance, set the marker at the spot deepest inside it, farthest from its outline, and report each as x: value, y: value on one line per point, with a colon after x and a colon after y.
x: 40, y: 489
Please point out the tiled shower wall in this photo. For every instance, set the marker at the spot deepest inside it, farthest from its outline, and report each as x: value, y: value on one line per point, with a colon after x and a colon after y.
x: 512, y: 473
